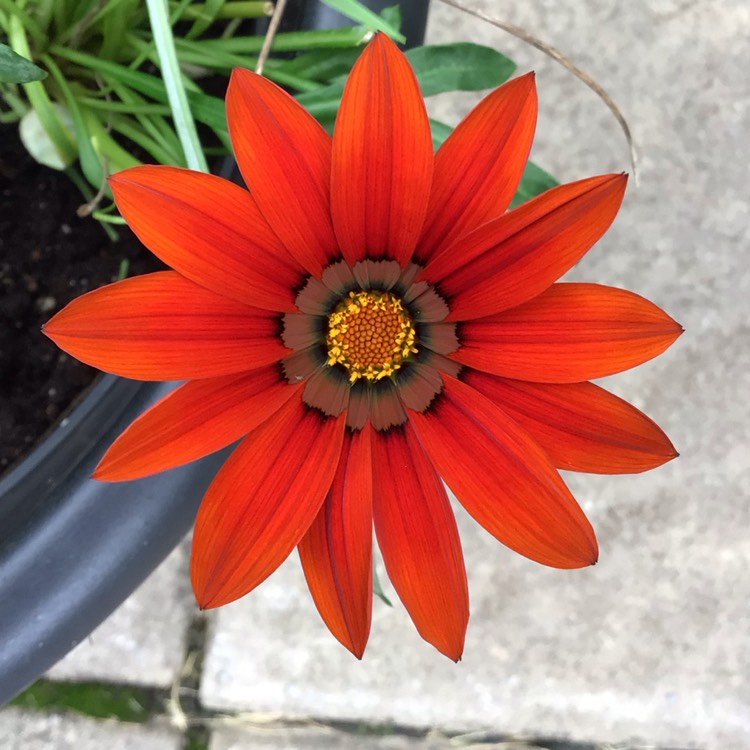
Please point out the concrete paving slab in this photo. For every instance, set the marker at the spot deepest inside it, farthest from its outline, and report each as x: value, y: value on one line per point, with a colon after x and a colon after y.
x: 26, y: 730
x: 325, y: 738
x: 143, y: 641
x: 652, y: 643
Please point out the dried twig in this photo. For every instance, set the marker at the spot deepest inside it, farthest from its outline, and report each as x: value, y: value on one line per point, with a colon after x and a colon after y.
x: 273, y: 27
x: 88, y: 208
x: 566, y: 62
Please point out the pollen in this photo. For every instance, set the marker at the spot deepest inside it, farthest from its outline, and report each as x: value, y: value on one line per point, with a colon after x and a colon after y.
x: 371, y: 334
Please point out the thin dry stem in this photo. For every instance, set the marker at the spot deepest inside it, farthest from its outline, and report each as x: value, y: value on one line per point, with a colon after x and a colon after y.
x: 88, y: 208
x: 273, y: 26
x: 563, y: 60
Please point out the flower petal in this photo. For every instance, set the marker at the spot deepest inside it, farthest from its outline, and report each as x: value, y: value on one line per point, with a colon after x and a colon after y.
x: 418, y: 537
x: 211, y: 231
x: 385, y: 407
x: 580, y: 425
x: 196, y: 419
x: 480, y: 165
x: 382, y: 158
x: 163, y: 327
x: 511, y: 260
x: 336, y: 552
x: 263, y: 501
x: 284, y: 155
x: 570, y: 333
x: 504, y: 478
x: 328, y: 390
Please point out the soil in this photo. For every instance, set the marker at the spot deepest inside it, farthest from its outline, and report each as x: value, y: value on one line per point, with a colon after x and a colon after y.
x: 48, y: 256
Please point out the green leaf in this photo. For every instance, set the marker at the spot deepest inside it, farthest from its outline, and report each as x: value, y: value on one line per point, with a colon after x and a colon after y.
x: 89, y: 698
x: 206, y: 15
x: 37, y: 141
x: 17, y: 69
x: 290, y: 41
x: 377, y: 588
x: 440, y: 131
x: 90, y: 163
x: 57, y: 132
x: 321, y: 65
x: 462, y: 66
x: 534, y: 181
x: 392, y: 16
x: 357, y: 12
x: 176, y: 94
x: 323, y: 103
x: 209, y: 110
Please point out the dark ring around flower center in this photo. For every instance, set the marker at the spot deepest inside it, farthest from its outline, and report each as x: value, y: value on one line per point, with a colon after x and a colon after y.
x: 369, y: 339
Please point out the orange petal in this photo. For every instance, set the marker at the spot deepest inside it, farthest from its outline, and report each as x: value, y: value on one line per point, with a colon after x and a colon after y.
x: 570, y: 333
x: 504, y: 478
x: 382, y: 158
x: 515, y: 258
x: 211, y: 231
x: 580, y: 425
x: 479, y: 167
x: 263, y: 501
x: 418, y: 537
x: 196, y: 419
x: 336, y: 552
x: 163, y: 327
x: 285, y: 157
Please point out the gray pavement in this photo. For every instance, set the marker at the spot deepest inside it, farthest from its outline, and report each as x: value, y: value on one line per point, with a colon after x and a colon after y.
x: 650, y: 647
x: 325, y: 738
x: 21, y: 730
x: 143, y: 642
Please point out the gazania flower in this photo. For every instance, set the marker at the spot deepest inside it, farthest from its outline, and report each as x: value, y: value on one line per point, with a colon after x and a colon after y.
x: 370, y: 320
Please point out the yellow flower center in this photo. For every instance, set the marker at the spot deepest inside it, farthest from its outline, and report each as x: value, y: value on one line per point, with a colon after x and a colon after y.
x: 370, y: 334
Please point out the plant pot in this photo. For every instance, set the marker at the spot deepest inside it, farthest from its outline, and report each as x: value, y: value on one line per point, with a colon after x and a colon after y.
x: 71, y: 548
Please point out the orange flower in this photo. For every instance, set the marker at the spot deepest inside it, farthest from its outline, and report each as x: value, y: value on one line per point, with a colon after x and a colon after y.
x: 370, y: 320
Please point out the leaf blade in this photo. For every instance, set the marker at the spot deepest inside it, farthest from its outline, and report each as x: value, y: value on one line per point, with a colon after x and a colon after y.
x: 17, y: 69
x: 461, y: 66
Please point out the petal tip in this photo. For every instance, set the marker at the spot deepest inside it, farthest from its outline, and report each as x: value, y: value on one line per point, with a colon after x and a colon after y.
x: 239, y: 77
x: 616, y: 180
x: 206, y: 600
x: 358, y: 650
x: 206, y: 596
x: 130, y: 174
x: 49, y: 329
x: 106, y: 471
x: 582, y: 553
x: 662, y: 455
x: 454, y: 653
x: 357, y: 641
x: 594, y: 558
x: 381, y: 38
x: 525, y: 82
x: 99, y: 474
x: 239, y: 72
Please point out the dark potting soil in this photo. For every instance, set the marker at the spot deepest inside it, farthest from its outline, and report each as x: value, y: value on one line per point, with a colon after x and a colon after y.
x: 48, y: 256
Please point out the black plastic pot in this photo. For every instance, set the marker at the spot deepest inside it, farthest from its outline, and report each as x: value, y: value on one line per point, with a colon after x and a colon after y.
x: 72, y: 549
